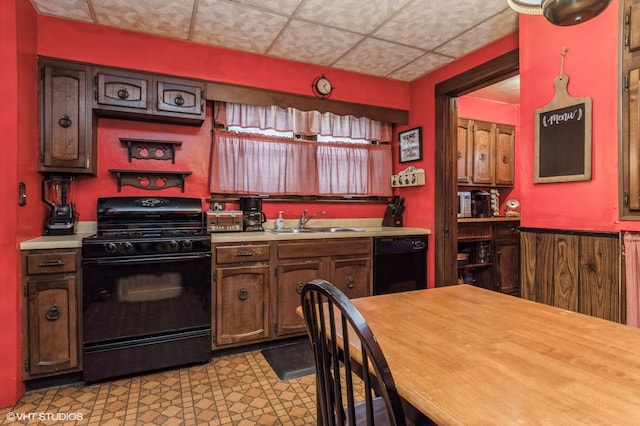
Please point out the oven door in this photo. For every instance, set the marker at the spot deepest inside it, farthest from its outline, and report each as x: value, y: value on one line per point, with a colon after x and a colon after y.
x: 145, y: 312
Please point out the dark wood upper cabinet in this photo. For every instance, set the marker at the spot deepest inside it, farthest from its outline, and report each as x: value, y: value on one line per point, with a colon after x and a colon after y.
x: 630, y: 158
x: 67, y: 140
x: 136, y: 95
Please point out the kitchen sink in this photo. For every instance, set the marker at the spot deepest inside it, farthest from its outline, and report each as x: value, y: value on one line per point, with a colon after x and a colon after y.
x: 313, y: 230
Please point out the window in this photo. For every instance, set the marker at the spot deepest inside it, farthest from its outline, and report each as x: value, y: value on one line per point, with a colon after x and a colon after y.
x: 266, y: 159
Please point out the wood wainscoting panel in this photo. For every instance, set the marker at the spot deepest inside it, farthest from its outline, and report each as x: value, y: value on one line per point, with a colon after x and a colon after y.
x: 573, y: 270
x: 565, y: 272
x: 601, y: 292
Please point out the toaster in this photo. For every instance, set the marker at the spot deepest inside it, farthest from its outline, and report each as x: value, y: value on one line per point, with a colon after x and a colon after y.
x: 224, y: 220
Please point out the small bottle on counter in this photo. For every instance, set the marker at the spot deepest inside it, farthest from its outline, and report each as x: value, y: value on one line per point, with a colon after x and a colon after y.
x: 280, y: 221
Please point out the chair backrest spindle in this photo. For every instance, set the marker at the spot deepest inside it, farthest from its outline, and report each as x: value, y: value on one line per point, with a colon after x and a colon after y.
x: 344, y: 347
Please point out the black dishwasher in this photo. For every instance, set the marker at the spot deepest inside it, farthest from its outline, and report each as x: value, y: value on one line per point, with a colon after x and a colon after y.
x: 399, y: 263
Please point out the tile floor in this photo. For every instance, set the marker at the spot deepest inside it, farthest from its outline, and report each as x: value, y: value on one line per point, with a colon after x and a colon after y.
x: 234, y: 389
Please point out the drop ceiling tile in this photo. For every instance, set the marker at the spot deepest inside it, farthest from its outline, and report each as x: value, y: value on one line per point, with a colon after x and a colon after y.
x: 428, y: 24
x: 282, y: 7
x: 487, y: 32
x: 236, y: 26
x: 317, y: 44
x: 377, y: 57
x: 71, y: 9
x: 420, y: 67
x: 362, y: 16
x: 168, y: 19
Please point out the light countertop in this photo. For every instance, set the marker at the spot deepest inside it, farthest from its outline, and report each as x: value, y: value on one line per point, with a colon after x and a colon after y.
x: 369, y: 230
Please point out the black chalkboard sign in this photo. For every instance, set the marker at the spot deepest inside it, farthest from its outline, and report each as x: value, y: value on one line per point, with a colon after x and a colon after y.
x: 563, y: 137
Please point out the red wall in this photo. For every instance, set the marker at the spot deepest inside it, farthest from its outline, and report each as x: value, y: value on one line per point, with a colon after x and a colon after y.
x: 591, y: 63
x: 76, y: 41
x: 420, y: 200
x: 17, y: 117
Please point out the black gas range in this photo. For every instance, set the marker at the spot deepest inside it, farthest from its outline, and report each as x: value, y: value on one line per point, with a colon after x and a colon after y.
x: 146, y: 287
x: 140, y: 226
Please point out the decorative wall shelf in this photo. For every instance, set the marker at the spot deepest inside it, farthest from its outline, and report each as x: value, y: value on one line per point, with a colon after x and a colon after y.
x: 146, y: 149
x: 149, y: 179
x: 408, y: 177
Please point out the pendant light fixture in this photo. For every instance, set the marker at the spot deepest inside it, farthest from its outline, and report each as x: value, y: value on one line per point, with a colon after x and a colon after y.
x: 561, y: 12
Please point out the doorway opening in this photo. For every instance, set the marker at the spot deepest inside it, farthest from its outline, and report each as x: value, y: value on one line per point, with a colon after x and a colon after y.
x: 446, y: 94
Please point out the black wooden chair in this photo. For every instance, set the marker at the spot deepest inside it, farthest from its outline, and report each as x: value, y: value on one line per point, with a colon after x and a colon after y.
x: 327, y: 312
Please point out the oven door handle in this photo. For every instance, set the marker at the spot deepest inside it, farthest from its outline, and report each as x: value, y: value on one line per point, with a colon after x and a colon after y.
x: 147, y: 259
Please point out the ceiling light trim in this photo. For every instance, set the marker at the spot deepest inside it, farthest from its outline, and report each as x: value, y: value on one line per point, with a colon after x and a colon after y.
x: 527, y: 7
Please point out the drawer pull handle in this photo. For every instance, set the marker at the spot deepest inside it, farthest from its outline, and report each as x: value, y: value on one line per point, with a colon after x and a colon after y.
x: 245, y: 253
x: 179, y: 100
x: 243, y: 294
x: 53, y: 314
x: 123, y: 93
x: 299, y: 287
x: 351, y: 282
x: 51, y: 263
x: 64, y: 121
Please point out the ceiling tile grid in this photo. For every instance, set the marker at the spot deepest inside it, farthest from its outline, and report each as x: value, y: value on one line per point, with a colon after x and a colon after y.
x: 236, y: 26
x: 313, y: 43
x: 166, y: 18
x: 397, y: 39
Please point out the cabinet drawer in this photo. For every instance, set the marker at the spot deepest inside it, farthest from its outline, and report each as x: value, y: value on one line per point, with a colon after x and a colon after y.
x: 242, y: 253
x: 474, y: 231
x: 122, y: 89
x: 177, y: 97
x: 51, y: 263
x: 509, y: 231
x: 338, y: 247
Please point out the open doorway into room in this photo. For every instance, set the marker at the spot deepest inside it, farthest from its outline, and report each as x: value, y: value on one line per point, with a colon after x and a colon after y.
x: 447, y: 94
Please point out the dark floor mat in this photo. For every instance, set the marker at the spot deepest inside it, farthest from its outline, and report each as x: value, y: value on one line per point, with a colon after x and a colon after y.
x: 291, y: 360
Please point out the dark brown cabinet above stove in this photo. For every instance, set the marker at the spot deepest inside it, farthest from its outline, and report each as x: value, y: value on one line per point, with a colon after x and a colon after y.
x: 136, y: 95
x: 67, y: 140
x: 73, y: 95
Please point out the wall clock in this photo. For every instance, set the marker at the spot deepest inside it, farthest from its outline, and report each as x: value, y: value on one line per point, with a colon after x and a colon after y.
x: 322, y: 87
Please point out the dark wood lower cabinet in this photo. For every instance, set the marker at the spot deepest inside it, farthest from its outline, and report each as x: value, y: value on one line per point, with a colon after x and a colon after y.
x: 50, y: 313
x: 242, y: 304
x: 577, y: 271
x: 499, y: 268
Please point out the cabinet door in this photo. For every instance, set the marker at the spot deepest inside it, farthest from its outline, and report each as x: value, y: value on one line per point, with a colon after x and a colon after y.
x: 352, y: 276
x: 633, y: 159
x: 483, y: 153
x: 464, y: 157
x: 507, y: 255
x: 180, y: 98
x: 122, y: 91
x: 242, y: 295
x: 53, y: 325
x: 504, y: 158
x: 66, y: 139
x: 292, y: 276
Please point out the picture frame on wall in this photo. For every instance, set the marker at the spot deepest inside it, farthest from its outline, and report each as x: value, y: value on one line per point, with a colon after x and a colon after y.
x: 410, y: 145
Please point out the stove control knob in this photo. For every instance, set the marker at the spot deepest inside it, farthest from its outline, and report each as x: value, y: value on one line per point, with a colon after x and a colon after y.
x: 173, y: 245
x: 187, y: 245
x: 110, y: 247
x: 128, y: 247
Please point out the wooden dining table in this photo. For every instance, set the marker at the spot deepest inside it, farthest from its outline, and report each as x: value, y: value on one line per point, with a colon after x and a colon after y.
x: 463, y: 355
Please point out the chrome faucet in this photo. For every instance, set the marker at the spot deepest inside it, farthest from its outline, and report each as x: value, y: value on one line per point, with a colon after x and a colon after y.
x: 304, y: 219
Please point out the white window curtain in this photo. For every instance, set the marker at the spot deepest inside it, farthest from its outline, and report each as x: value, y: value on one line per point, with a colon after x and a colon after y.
x: 247, y: 163
x: 306, y: 122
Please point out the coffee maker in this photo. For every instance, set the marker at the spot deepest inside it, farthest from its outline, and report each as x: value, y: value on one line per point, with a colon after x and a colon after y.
x: 252, y: 215
x: 480, y: 204
x: 56, y: 192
